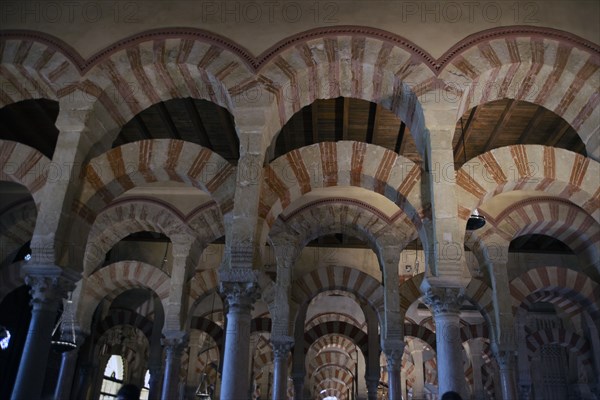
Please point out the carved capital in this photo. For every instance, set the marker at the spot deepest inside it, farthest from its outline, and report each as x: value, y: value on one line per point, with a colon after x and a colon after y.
x: 175, y: 341
x: 282, y: 346
x: 393, y: 356
x: 505, y: 359
x: 48, y: 284
x: 240, y: 294
x: 444, y: 300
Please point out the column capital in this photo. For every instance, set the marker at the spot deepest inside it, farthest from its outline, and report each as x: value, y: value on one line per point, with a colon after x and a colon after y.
x: 444, y: 300
x: 175, y: 340
x: 393, y: 355
x: 48, y: 283
x: 282, y: 346
x: 240, y: 294
x: 505, y: 359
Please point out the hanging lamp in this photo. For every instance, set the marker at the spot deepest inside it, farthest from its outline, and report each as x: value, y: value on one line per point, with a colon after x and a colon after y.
x: 66, y: 339
x: 475, y: 221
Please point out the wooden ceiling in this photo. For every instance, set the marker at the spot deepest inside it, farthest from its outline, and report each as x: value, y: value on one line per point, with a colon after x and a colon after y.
x: 507, y: 122
x: 31, y: 122
x: 486, y: 127
x: 345, y: 119
x: 196, y: 121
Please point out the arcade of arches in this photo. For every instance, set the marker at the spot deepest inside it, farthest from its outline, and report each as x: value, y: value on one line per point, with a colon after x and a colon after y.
x: 206, y: 223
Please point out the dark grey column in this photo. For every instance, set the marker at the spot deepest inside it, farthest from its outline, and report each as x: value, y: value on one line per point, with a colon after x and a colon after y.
x: 49, y: 285
x: 174, y: 343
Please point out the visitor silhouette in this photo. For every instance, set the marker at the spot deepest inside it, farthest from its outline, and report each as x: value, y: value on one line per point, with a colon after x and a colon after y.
x: 451, y: 396
x: 128, y: 392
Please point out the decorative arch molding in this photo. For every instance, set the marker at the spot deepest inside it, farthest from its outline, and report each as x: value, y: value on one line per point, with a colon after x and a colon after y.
x: 565, y: 338
x: 365, y: 287
x: 110, y: 174
x: 332, y: 317
x: 344, y: 163
x: 563, y: 282
x: 123, y: 218
x: 202, y: 284
x: 134, y: 214
x: 17, y: 223
x: 26, y: 166
x: 556, y: 172
x: 340, y: 214
x: 35, y: 65
x: 326, y: 372
x: 116, y: 278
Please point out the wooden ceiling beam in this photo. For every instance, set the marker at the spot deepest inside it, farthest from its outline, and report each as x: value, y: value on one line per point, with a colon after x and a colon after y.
x: 561, y: 129
x: 504, y: 118
x: 466, y: 133
x: 141, y: 127
x: 165, y: 117
x: 345, y: 117
x: 400, y: 142
x: 314, y: 115
x: 229, y: 129
x: 532, y: 125
x: 196, y: 120
x: 373, y: 123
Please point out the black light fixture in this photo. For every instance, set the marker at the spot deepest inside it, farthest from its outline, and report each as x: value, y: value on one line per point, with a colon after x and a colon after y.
x: 66, y: 339
x: 475, y: 221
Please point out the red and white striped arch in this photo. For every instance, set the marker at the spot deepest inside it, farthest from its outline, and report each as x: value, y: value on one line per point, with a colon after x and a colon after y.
x: 565, y: 286
x: 412, y: 330
x: 115, y: 279
x: 549, y: 216
x: 354, y: 62
x: 339, y: 214
x: 565, y: 338
x: 147, y: 161
x: 125, y: 217
x: 326, y: 278
x: 331, y: 317
x: 34, y: 66
x: 544, y: 66
x: 552, y: 171
x: 26, y: 166
x: 336, y: 328
x: 125, y: 317
x: 330, y: 357
x: 342, y: 163
x: 159, y: 65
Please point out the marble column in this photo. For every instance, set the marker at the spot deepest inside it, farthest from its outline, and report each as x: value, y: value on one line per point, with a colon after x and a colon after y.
x: 49, y: 284
x: 281, y: 352
x: 476, y: 347
x: 156, y: 377
x: 298, y: 380
x: 394, y: 365
x: 372, y: 384
x: 240, y: 297
x: 403, y: 382
x: 174, y: 342
x: 419, y: 385
x: 64, y: 384
x: 445, y: 305
x: 506, y: 364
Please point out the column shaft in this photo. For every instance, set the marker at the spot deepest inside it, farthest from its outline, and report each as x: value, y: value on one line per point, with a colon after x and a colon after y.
x: 174, y: 345
x: 281, y: 352
x: 449, y: 353
x: 506, y: 362
x: 65, y: 376
x: 419, y: 385
x: 372, y: 385
x: 394, y: 365
x: 298, y: 387
x: 235, y: 379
